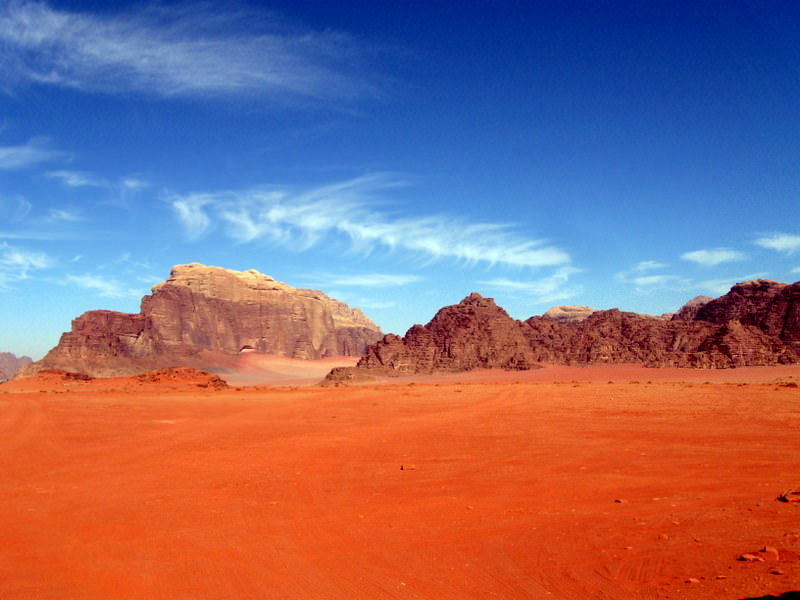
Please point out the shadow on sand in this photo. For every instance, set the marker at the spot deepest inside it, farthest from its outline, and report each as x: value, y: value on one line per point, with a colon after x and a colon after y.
x: 784, y: 596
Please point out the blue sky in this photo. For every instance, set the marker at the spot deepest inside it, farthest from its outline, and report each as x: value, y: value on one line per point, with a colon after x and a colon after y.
x: 396, y: 155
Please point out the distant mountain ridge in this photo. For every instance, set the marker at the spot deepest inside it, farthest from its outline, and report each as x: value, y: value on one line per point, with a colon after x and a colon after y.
x: 204, y: 317
x: 757, y: 323
x: 10, y: 364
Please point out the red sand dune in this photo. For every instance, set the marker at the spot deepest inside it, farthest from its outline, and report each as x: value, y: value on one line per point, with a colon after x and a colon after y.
x: 529, y: 490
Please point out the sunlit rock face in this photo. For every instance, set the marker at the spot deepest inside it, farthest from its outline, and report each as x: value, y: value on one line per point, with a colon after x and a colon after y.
x: 202, y: 317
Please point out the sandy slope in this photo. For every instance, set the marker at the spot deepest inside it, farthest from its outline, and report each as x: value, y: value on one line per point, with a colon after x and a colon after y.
x: 507, y: 491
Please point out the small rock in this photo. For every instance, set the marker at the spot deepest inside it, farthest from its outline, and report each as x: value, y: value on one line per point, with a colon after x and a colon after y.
x: 663, y: 536
x: 750, y: 558
x: 770, y: 552
x: 721, y: 577
x: 620, y: 501
x: 692, y: 580
x: 776, y: 572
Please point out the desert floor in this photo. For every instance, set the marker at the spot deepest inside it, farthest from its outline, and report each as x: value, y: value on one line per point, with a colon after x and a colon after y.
x: 618, y: 483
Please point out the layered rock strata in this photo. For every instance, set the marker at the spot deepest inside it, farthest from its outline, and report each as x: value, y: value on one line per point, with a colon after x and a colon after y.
x: 756, y: 324
x: 203, y: 317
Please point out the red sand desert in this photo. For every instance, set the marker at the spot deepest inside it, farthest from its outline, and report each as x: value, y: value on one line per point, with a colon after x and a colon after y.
x: 613, y: 483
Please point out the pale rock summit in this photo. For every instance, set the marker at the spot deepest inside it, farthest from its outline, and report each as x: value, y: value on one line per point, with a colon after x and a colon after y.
x: 568, y: 314
x: 202, y: 317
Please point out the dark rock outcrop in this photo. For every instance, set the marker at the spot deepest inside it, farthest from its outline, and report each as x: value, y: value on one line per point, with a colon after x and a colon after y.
x: 10, y: 364
x: 473, y: 334
x: 203, y: 317
x: 755, y: 324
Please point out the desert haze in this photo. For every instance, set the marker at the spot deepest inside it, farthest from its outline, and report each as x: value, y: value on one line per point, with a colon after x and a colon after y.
x: 612, y: 482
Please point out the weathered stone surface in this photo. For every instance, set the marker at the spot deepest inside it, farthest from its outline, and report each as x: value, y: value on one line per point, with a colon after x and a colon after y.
x: 473, y: 334
x: 567, y: 314
x: 10, y: 364
x: 202, y: 316
x: 756, y: 324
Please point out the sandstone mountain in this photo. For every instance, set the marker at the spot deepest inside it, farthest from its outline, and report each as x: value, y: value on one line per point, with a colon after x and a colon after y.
x: 756, y: 323
x: 688, y: 311
x: 204, y: 317
x: 10, y: 364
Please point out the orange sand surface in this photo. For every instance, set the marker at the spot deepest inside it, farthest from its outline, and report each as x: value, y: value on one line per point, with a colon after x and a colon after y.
x: 409, y: 490
x: 259, y: 369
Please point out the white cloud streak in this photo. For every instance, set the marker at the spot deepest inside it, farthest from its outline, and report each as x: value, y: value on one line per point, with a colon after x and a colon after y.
x: 106, y: 287
x: 14, y: 209
x: 60, y: 215
x: 367, y: 280
x: 16, y: 263
x: 552, y: 288
x: 77, y: 179
x: 710, y: 257
x: 647, y: 265
x: 185, y: 50
x: 644, y: 283
x: 304, y: 218
x: 33, y: 152
x: 782, y: 242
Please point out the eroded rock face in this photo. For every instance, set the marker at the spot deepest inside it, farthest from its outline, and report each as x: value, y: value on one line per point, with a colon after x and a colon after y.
x: 202, y: 316
x: 755, y: 324
x: 473, y: 334
x: 10, y: 364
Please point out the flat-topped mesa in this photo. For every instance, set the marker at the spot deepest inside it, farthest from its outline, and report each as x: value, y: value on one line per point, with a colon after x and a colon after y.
x: 755, y: 324
x: 202, y: 317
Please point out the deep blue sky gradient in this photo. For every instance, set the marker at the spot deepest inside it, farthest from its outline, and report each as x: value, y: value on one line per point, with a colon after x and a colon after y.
x: 653, y: 147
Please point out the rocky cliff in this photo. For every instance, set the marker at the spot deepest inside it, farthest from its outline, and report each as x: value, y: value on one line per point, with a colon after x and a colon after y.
x: 10, y: 364
x: 203, y: 317
x: 756, y: 323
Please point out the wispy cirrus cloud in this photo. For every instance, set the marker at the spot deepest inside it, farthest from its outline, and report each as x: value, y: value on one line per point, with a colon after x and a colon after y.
x: 302, y: 218
x: 16, y: 263
x: 63, y: 216
x: 644, y: 281
x: 14, y: 208
x: 782, y: 242
x: 77, y: 178
x: 553, y: 288
x: 184, y: 50
x: 103, y: 286
x: 711, y: 257
x: 34, y: 152
x: 381, y: 280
